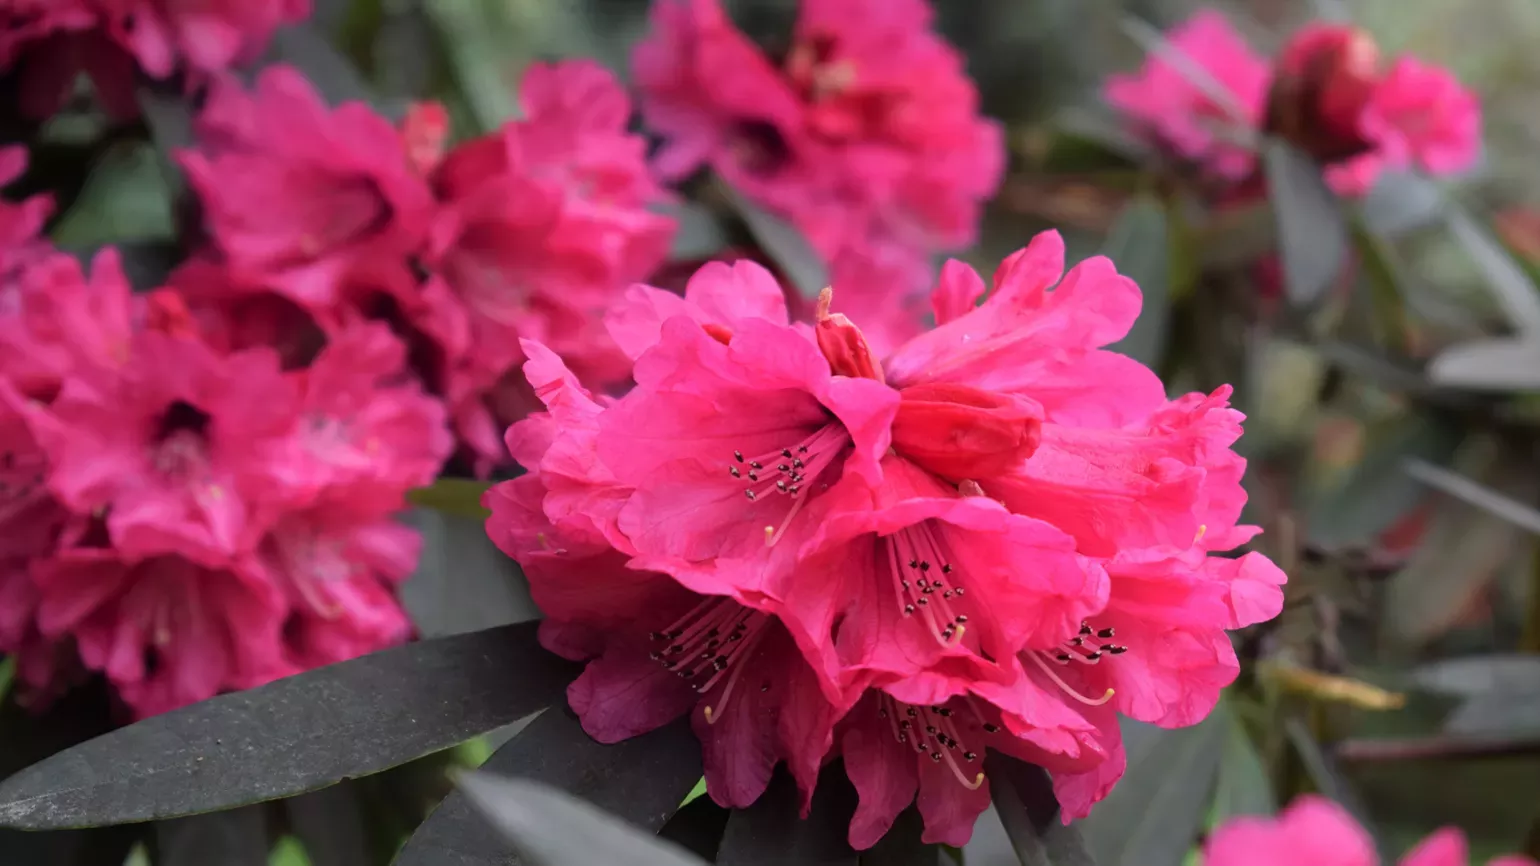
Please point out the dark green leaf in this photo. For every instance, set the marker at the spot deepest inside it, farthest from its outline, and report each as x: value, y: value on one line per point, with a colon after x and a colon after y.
x: 902, y: 845
x: 697, y: 827
x: 785, y: 245
x: 457, y: 496
x: 552, y: 828
x: 1502, y: 693
x: 1323, y: 771
x: 98, y: 846
x: 1023, y: 796
x: 1377, y: 492
x: 146, y: 264
x: 125, y: 198
x: 329, y: 823
x: 699, y: 235
x: 770, y: 833
x: 295, y: 735
x: 305, y: 48
x: 1156, y: 812
x: 1401, y: 202
x: 641, y: 780
x: 463, y: 582
x: 485, y: 46
x: 1479, y: 495
x: 1140, y: 246
x: 1243, y: 786
x: 1514, y: 289
x: 1312, y: 232
x: 235, y: 838
x: 1502, y: 365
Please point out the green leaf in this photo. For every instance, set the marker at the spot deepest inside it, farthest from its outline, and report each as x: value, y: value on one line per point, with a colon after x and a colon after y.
x: 126, y: 198
x: 1501, y: 693
x: 640, y: 780
x: 1502, y: 365
x: 458, y: 496
x: 1243, y: 786
x: 1401, y: 202
x: 487, y: 48
x: 463, y: 583
x: 1474, y: 493
x: 695, y: 793
x: 1023, y: 796
x: 1327, y: 776
x: 294, y: 735
x: 1514, y: 289
x: 235, y: 838
x: 785, y: 245
x: 1312, y: 231
x: 699, y: 235
x: 1140, y: 245
x: 1153, y: 815
x: 698, y: 827
x: 902, y: 846
x: 771, y: 832
x: 307, y: 49
x: 1377, y: 492
x: 328, y: 827
x: 289, y: 852
x: 552, y: 828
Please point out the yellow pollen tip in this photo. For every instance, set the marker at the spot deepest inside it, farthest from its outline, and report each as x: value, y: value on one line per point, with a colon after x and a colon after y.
x: 711, y: 717
x: 957, y: 635
x: 1202, y: 531
x: 769, y: 535
x: 978, y: 781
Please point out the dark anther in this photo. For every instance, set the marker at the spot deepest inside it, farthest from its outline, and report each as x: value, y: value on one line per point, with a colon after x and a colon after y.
x: 749, y: 494
x: 785, y: 452
x: 946, y: 569
x: 1104, y: 633
x: 991, y: 729
x: 960, y: 618
x: 738, y: 456
x: 1117, y: 650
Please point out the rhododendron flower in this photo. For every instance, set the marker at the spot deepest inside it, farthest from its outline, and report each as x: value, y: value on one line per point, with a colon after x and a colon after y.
x: 543, y: 224
x: 297, y: 194
x: 1193, y: 121
x: 56, y: 321
x: 30, y: 523
x: 1420, y: 115
x: 658, y: 650
x: 1315, y: 830
x: 866, y: 134
x: 207, y: 37
x: 21, y: 223
x: 165, y: 631
x: 175, y: 444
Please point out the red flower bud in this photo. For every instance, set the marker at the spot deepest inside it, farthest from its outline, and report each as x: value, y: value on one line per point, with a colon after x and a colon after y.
x: 960, y: 432
x: 844, y: 344
x: 1326, y: 75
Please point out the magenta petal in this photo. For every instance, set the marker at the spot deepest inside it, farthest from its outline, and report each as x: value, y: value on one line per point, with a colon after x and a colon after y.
x: 884, y: 771
x: 624, y: 693
x: 949, y: 807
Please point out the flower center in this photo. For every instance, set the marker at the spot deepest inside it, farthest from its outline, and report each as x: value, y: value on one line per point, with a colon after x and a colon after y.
x: 926, y: 583
x: 786, y: 471
x: 934, y: 732
x: 1088, y: 647
x: 181, y: 441
x: 710, y: 646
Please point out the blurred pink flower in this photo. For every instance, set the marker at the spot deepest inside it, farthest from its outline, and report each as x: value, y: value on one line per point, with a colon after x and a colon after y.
x: 165, y: 631
x: 56, y: 322
x: 206, y: 37
x: 175, y: 445
x: 21, y: 223
x: 1317, y: 831
x: 867, y: 135
x: 1163, y: 101
x: 295, y: 195
x: 1420, y: 115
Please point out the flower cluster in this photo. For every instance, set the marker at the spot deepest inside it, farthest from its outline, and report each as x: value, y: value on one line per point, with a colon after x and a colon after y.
x: 1317, y: 831
x: 1327, y: 93
x: 864, y: 133
x: 50, y: 41
x: 996, y: 536
x: 335, y: 216
x: 182, y: 515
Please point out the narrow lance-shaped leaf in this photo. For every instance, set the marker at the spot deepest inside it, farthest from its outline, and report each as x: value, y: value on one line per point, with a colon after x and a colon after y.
x: 294, y: 735
x: 790, y: 250
x: 1140, y: 246
x: 1514, y: 289
x: 1479, y: 495
x: 1156, y: 811
x: 771, y: 833
x: 1502, y: 364
x: 641, y: 780
x: 235, y: 838
x: 1312, y: 231
x: 1023, y: 796
x: 552, y: 828
x: 1243, y: 787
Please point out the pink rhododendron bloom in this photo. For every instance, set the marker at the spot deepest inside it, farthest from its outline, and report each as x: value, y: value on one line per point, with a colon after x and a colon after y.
x: 206, y: 37
x: 658, y: 650
x: 21, y: 223
x: 175, y: 444
x: 543, y: 223
x: 296, y: 194
x: 56, y: 321
x: 866, y: 134
x: 1317, y: 831
x: 165, y: 631
x: 1163, y: 101
x: 1420, y: 115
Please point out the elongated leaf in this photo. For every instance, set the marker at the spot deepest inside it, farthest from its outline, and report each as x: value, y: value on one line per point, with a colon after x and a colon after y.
x: 1312, y: 231
x: 770, y: 833
x: 1502, y: 365
x: 1514, y: 289
x: 458, y: 496
x: 295, y: 735
x: 463, y: 583
x: 797, y: 259
x: 1377, y: 492
x: 697, y: 826
x: 329, y: 823
x: 1140, y: 246
x: 1155, y: 813
x: 1023, y: 796
x: 1477, y: 494
x: 641, y: 780
x: 553, y: 828
x: 1401, y: 202
x: 1501, y: 692
x: 1327, y: 776
x: 98, y: 846
x: 308, y: 50
x: 699, y: 235
x: 1243, y: 786
x: 236, y: 838
x: 902, y: 845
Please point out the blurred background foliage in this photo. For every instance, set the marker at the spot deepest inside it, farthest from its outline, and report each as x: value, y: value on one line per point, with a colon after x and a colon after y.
x: 1397, y: 490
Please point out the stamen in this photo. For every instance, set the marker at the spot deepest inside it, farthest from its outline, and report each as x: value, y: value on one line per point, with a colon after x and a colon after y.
x: 790, y: 472
x: 1068, y: 689
x: 918, y: 549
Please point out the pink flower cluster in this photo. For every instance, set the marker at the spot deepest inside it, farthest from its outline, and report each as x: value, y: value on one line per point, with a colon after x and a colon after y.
x: 1326, y: 93
x: 333, y: 217
x: 51, y: 41
x: 997, y: 536
x: 865, y: 134
x: 183, y: 516
x: 1317, y: 831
